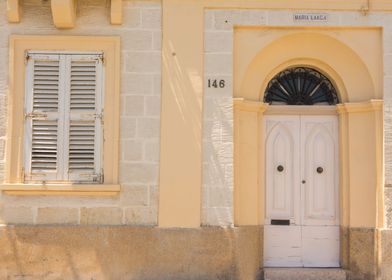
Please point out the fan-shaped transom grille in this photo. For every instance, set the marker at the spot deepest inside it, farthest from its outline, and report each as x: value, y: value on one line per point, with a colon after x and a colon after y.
x: 300, y: 86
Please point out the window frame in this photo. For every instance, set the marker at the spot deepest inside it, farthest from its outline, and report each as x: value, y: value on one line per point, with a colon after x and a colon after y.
x: 14, y: 164
x: 63, y: 117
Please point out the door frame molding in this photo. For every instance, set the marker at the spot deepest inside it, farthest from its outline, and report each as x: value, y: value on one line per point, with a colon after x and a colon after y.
x: 301, y: 110
x: 361, y: 174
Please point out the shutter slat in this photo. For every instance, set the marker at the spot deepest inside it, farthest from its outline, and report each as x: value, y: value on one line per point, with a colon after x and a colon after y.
x: 52, y: 153
x: 82, y: 146
x: 45, y: 98
x: 44, y: 146
x: 83, y: 85
x: 45, y: 85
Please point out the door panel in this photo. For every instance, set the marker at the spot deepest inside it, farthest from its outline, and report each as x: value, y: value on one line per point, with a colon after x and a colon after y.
x: 319, y: 168
x: 283, y: 246
x: 282, y: 153
x: 301, y: 154
x: 320, y: 246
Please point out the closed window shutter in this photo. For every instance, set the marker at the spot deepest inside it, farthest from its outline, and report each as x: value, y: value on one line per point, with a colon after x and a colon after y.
x: 64, y: 118
x: 42, y: 109
x: 85, y: 118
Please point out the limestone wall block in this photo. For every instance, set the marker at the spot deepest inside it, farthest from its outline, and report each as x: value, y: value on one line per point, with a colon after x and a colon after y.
x: 140, y: 216
x: 132, y: 150
x: 133, y: 105
x: 101, y: 216
x: 138, y: 173
x: 17, y: 215
x: 148, y: 127
x: 143, y: 62
x: 57, y: 215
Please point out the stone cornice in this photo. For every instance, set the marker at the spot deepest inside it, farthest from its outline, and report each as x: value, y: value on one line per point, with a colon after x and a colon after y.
x: 361, y: 107
x: 249, y: 105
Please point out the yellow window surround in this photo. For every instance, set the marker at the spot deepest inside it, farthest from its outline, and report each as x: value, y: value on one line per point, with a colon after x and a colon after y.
x: 14, y: 169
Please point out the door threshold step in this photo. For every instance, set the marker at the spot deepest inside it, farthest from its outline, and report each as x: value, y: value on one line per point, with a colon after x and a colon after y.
x: 278, y: 273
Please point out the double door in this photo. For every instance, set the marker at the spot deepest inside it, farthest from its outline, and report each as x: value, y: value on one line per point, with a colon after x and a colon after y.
x: 301, y: 223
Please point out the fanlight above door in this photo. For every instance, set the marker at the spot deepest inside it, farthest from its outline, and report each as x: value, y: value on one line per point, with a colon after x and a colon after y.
x: 300, y: 86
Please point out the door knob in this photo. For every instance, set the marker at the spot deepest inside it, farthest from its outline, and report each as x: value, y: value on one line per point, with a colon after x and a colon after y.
x: 303, y: 181
x: 320, y: 170
x: 280, y: 168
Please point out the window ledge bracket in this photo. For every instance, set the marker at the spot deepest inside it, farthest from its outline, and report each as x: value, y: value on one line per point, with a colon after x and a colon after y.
x: 116, y: 13
x: 13, y: 11
x: 63, y: 13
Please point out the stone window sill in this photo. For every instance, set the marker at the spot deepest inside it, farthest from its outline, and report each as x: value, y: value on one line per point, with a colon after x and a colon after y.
x: 61, y: 189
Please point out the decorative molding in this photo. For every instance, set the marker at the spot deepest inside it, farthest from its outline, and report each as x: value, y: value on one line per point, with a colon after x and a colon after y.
x: 372, y: 105
x: 13, y: 11
x: 116, y: 12
x: 302, y: 110
x: 64, y: 13
x: 305, y: 5
x: 61, y: 187
x: 250, y: 105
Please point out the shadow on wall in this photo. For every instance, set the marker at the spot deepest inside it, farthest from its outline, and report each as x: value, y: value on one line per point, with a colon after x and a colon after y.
x: 53, y: 252
x: 184, y: 80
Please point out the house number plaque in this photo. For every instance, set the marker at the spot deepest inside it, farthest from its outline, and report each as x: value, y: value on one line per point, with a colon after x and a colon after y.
x: 216, y: 83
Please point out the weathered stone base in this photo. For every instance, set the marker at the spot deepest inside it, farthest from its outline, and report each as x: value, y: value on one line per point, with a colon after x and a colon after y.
x: 304, y: 274
x: 110, y: 252
x: 75, y: 252
x: 386, y: 267
x: 344, y: 247
x: 363, y: 254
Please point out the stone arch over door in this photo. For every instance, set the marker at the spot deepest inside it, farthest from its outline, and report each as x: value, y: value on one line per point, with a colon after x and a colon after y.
x: 352, y: 76
x: 359, y: 84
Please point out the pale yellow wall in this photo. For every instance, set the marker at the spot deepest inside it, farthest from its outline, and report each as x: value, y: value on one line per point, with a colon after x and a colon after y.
x: 365, y: 161
x: 180, y: 165
x: 248, y: 161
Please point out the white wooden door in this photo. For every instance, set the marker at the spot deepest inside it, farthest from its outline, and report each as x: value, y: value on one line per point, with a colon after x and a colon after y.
x: 301, y: 226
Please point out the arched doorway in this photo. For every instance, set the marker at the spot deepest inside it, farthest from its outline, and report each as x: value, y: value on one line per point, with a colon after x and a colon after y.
x: 258, y: 59
x: 301, y: 171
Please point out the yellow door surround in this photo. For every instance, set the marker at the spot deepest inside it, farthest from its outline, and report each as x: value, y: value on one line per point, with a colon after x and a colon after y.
x: 358, y: 79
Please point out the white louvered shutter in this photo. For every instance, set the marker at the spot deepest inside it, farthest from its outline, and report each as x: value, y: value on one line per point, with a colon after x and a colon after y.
x: 64, y: 125
x: 85, y: 118
x: 42, y: 111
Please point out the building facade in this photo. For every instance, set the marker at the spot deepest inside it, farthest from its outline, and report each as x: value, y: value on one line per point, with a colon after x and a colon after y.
x: 192, y: 139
